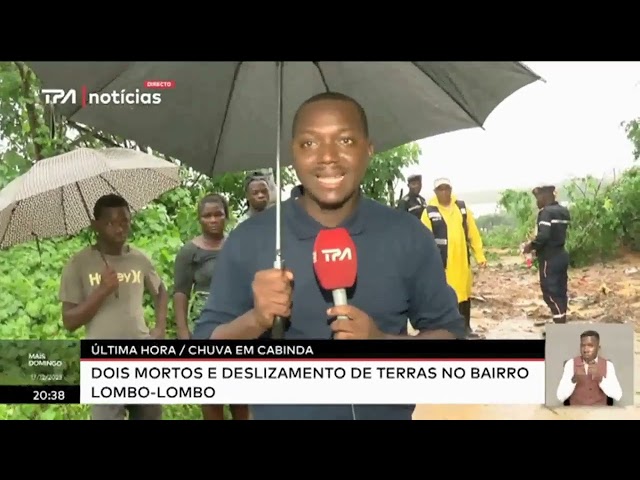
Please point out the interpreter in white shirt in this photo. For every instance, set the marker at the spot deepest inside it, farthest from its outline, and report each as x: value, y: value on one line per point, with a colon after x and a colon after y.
x: 589, y: 379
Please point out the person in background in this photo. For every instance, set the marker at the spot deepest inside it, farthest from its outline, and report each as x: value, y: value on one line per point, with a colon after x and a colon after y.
x: 589, y: 379
x: 413, y: 202
x: 331, y: 152
x: 553, y: 259
x: 102, y: 289
x: 457, y: 236
x: 194, y: 266
x: 269, y: 177
x: 257, y: 191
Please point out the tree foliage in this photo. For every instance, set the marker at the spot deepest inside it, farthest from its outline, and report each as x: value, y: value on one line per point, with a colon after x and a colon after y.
x: 382, y: 177
x: 604, y: 218
x: 632, y: 129
x: 29, y: 274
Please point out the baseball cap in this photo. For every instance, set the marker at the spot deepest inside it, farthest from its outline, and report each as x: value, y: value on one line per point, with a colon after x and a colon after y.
x: 255, y: 176
x: 544, y: 189
x: 441, y: 181
x: 414, y: 176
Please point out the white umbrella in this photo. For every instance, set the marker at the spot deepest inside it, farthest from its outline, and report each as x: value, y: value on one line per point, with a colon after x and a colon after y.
x: 56, y: 196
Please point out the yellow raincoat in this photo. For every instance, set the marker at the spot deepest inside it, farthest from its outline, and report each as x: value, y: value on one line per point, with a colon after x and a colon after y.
x: 459, y: 274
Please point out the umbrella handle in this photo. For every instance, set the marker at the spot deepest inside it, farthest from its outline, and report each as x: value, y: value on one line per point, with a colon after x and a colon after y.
x: 278, y: 328
x: 280, y: 325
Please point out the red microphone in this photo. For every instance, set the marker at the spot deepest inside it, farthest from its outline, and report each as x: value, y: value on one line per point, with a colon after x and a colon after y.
x: 335, y: 262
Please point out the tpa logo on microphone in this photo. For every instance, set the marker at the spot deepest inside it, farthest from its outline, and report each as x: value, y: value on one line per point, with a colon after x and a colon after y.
x: 334, y: 255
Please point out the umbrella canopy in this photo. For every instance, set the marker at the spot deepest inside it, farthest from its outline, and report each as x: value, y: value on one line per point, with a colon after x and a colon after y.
x: 221, y: 116
x: 56, y: 196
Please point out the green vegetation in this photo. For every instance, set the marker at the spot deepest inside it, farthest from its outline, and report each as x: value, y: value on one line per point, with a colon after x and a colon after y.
x: 493, y: 196
x: 29, y: 274
x: 605, y: 214
x: 605, y: 218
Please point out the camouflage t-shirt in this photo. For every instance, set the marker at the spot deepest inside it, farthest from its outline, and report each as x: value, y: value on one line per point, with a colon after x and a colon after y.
x: 121, y: 316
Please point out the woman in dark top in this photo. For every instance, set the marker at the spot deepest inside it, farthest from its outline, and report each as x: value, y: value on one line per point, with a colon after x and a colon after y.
x: 192, y: 278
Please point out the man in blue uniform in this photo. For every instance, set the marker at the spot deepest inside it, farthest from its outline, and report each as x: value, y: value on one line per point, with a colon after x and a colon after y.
x: 331, y: 151
x: 413, y: 202
x: 549, y: 245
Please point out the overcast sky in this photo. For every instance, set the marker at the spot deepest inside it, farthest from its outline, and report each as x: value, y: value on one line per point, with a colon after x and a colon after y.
x: 545, y: 132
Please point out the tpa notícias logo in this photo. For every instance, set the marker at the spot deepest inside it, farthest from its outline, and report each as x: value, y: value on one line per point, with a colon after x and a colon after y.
x: 58, y: 96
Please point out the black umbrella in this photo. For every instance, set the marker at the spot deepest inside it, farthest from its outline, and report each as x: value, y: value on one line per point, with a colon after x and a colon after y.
x: 219, y: 116
x: 228, y: 116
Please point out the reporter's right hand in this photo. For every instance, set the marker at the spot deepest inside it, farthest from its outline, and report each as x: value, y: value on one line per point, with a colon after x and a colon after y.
x: 109, y: 280
x: 272, y: 295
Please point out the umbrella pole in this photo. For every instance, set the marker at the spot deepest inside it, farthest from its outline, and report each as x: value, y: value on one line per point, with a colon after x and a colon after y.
x: 278, y: 329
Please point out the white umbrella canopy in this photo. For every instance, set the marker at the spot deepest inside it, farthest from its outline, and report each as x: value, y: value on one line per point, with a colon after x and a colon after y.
x: 56, y: 196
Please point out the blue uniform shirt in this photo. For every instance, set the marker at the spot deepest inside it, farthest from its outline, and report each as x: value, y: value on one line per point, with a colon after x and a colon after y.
x: 400, y: 276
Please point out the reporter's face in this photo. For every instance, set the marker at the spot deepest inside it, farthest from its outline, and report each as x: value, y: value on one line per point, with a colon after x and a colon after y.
x: 331, y: 151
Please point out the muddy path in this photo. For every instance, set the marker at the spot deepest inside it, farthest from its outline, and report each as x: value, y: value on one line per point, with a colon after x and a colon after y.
x: 507, y: 305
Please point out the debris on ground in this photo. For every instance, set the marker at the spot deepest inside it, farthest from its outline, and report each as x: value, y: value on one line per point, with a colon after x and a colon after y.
x: 508, y: 291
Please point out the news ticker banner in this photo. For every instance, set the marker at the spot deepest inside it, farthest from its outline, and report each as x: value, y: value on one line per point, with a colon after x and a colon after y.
x: 313, y: 372
x: 39, y: 371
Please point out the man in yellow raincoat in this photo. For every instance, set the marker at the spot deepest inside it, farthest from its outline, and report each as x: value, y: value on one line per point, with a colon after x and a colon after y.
x: 457, y: 237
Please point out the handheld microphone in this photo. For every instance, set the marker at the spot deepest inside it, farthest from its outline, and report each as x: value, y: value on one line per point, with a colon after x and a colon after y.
x: 335, y: 262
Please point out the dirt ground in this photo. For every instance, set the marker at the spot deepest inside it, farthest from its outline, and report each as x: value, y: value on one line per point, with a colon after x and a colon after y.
x: 507, y: 305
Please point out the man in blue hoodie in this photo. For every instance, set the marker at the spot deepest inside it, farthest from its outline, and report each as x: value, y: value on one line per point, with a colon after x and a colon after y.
x: 331, y: 150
